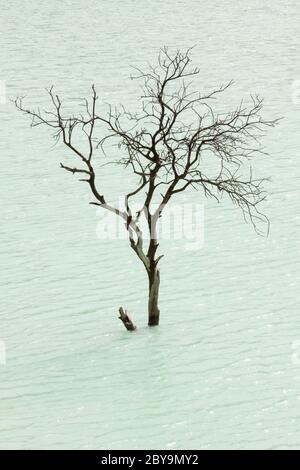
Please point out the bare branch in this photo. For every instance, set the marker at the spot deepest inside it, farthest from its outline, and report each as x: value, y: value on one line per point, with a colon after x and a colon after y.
x: 176, y: 141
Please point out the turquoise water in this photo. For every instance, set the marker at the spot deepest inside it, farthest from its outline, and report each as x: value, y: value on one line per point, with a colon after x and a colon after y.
x: 222, y: 370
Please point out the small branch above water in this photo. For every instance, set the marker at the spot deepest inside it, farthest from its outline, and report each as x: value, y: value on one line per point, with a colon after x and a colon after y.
x: 126, y: 320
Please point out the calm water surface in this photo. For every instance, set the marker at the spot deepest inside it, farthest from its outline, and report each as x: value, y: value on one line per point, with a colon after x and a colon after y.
x: 222, y: 370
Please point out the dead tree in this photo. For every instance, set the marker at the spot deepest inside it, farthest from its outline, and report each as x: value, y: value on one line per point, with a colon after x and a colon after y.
x: 168, y: 145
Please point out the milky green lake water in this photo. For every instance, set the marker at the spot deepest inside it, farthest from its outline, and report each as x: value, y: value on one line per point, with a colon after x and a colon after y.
x: 223, y: 370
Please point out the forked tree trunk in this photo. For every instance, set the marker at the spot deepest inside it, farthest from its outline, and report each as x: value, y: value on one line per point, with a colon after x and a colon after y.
x: 153, y: 310
x: 150, y: 263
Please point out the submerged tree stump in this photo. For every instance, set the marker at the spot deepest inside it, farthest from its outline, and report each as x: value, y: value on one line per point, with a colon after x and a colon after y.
x: 127, y: 322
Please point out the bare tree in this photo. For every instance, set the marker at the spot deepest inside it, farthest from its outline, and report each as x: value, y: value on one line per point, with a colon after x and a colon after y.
x: 176, y: 141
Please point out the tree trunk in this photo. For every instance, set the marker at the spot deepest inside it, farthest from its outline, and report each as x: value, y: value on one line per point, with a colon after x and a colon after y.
x: 153, y: 310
